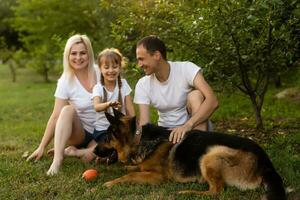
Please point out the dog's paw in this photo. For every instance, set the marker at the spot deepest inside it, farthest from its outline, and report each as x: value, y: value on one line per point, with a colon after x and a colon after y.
x: 108, y: 184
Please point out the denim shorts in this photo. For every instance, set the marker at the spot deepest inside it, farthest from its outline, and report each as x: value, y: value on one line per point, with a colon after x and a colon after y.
x: 100, y: 136
x: 88, y: 137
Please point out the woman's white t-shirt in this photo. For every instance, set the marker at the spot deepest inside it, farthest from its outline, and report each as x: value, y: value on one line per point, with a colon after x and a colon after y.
x: 101, y: 122
x: 169, y: 97
x: 79, y: 98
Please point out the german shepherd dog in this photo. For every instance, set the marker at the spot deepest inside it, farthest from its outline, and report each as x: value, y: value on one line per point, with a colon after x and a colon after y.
x: 216, y: 158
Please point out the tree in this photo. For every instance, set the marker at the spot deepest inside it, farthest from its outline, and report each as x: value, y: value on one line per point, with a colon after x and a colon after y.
x: 8, y: 37
x: 44, y: 27
x: 252, y: 44
x: 240, y: 43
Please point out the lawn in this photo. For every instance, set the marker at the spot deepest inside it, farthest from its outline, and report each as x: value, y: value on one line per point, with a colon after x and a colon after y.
x: 26, y: 106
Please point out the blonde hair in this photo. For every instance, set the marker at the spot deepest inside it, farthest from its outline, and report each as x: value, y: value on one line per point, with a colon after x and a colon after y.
x: 68, y: 70
x: 111, y: 55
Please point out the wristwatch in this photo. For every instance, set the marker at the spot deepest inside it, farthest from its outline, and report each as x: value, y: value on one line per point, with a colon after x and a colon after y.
x: 138, y: 132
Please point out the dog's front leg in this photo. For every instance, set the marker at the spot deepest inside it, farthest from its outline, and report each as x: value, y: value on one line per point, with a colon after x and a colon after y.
x: 132, y: 168
x: 137, y: 177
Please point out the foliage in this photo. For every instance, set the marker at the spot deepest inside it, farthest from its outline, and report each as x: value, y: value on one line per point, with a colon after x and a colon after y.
x: 45, y: 25
x: 9, y: 42
x: 239, y: 43
x: 8, y: 36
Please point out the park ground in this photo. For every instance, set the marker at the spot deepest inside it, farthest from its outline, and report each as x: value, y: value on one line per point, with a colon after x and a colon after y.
x: 26, y: 105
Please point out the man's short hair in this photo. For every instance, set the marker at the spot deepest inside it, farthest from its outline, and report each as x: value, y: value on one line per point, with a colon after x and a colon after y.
x: 152, y: 43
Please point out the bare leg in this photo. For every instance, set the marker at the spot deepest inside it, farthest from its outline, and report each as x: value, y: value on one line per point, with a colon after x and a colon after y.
x: 68, y: 128
x: 72, y: 151
x: 86, y: 155
x: 194, y: 101
x: 69, y: 151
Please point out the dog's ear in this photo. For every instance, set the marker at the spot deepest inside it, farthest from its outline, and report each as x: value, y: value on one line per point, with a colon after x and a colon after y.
x: 133, y: 124
x: 110, y: 118
x: 118, y: 114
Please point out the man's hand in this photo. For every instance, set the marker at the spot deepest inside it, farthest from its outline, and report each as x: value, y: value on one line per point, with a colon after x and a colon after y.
x: 178, y: 133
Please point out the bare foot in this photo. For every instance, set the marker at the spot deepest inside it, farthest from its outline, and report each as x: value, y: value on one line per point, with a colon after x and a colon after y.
x: 88, y: 156
x: 71, y: 151
x: 50, y: 152
x: 54, y: 168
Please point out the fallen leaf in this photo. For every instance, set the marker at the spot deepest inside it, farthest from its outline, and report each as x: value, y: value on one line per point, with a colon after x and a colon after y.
x: 281, y: 132
x: 244, y: 119
x: 290, y: 189
x: 231, y: 130
x: 25, y: 154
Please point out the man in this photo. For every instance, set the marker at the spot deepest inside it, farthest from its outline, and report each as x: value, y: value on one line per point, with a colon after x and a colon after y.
x: 177, y: 90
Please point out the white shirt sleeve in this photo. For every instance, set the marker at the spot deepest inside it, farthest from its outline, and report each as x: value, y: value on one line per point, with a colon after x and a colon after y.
x: 61, y: 91
x: 141, y: 95
x: 127, y: 89
x: 190, y: 71
x: 97, y: 90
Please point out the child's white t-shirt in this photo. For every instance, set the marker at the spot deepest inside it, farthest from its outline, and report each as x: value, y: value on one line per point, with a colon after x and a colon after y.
x: 101, y: 122
x: 169, y: 97
x: 79, y: 98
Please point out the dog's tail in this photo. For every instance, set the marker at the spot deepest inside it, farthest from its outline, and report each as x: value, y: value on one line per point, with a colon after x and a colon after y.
x: 273, y: 185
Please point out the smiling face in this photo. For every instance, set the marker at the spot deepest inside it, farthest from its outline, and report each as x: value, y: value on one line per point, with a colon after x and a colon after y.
x: 147, y: 61
x: 110, y: 69
x: 78, y: 57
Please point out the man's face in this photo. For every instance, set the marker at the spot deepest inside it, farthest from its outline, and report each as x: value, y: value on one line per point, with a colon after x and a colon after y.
x: 147, y: 61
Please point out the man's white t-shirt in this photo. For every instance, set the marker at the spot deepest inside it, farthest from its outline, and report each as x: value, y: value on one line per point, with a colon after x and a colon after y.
x: 169, y: 97
x: 101, y: 122
x: 79, y: 98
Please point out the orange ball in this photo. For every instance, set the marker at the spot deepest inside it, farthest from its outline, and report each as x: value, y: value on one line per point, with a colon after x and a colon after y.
x: 90, y: 174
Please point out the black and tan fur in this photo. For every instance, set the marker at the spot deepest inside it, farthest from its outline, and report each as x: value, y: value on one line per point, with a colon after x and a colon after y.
x: 216, y: 158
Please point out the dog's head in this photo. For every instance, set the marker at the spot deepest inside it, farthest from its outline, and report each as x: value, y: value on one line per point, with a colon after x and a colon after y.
x: 120, y: 135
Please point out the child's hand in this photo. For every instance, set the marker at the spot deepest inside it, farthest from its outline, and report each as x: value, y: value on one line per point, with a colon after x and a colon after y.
x: 114, y: 104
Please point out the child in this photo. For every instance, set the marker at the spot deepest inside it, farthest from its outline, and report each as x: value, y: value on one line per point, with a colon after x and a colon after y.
x: 112, y: 91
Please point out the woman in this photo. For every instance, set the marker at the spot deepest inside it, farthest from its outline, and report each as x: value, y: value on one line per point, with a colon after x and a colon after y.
x: 73, y: 117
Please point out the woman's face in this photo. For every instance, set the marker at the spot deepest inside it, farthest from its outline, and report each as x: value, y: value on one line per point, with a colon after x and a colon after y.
x: 78, y: 58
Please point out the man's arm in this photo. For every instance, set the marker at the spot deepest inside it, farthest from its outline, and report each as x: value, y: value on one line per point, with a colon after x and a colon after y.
x: 129, y: 106
x: 208, y: 106
x: 144, y: 114
x: 144, y: 118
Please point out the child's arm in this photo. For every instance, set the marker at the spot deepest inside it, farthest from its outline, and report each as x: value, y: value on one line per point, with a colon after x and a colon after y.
x: 129, y: 106
x: 99, y: 106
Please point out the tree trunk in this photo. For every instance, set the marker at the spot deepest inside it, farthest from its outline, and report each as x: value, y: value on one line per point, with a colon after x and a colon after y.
x: 12, y: 67
x: 257, y: 111
x: 46, y: 73
x: 277, y: 81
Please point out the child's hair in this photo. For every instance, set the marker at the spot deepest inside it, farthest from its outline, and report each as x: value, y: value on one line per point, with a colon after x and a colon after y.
x: 111, y: 55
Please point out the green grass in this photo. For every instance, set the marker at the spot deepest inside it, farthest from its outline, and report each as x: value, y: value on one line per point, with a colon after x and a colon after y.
x: 25, y: 107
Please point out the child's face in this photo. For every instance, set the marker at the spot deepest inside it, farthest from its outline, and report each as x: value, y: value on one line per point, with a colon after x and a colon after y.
x: 110, y: 70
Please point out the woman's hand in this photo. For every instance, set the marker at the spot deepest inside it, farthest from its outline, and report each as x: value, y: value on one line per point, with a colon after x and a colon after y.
x: 37, y: 154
